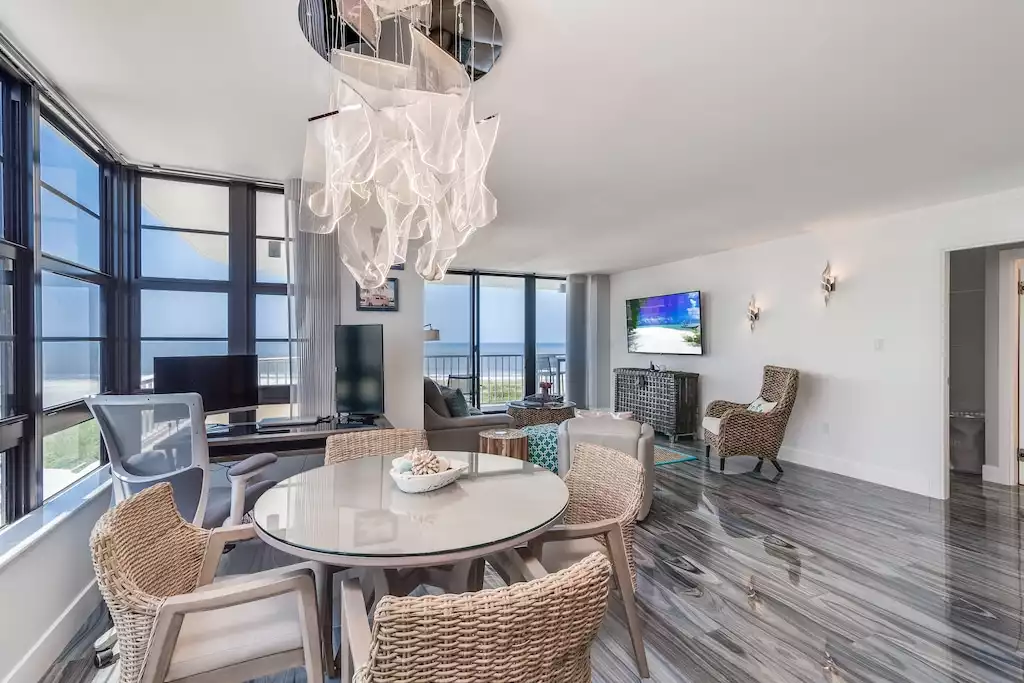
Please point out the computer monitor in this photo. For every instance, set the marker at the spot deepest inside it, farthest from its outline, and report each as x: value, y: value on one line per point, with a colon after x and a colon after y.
x: 359, y: 369
x: 224, y: 382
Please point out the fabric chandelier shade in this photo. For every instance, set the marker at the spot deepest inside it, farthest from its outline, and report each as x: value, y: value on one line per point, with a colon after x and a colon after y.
x: 399, y: 157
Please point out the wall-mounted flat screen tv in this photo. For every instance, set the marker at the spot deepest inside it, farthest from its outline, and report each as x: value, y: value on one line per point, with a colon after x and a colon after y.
x: 667, y: 324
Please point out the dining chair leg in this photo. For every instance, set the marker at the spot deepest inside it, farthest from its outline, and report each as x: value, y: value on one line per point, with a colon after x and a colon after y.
x: 620, y: 566
x: 324, y: 576
x: 475, y: 580
x: 344, y: 664
x: 313, y: 656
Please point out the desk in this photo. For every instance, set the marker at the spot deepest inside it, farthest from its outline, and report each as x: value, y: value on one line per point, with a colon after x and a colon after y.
x: 243, y: 438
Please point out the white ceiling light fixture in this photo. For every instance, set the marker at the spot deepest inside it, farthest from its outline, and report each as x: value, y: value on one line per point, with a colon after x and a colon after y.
x: 400, y: 157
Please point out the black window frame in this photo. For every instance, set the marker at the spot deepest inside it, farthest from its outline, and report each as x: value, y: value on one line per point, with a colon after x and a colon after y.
x: 241, y: 286
x: 119, y: 276
x: 60, y: 417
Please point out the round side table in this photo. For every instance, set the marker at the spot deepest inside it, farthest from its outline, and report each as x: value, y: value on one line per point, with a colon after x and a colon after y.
x: 510, y: 443
x: 525, y: 414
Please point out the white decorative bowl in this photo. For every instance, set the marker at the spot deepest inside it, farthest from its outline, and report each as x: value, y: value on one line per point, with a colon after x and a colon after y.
x: 422, y: 483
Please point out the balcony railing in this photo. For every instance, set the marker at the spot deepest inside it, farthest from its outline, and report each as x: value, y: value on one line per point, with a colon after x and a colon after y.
x: 501, y: 375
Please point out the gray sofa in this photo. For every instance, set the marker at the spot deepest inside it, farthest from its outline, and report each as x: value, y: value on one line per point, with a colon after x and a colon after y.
x: 447, y: 433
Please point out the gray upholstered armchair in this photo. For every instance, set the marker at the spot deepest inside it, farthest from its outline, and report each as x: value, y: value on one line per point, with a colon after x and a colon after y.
x: 626, y: 436
x: 447, y: 433
x: 734, y: 429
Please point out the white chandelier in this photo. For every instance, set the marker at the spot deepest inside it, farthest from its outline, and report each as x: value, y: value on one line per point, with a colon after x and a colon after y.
x: 400, y: 158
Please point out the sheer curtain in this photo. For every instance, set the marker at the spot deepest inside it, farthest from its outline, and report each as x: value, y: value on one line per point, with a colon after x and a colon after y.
x: 317, y: 303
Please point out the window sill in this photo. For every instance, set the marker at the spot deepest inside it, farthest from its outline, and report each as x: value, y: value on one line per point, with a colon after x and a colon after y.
x: 21, y: 535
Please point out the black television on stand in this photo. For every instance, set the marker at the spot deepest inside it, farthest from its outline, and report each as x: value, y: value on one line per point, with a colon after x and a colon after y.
x: 359, y: 371
x: 224, y: 382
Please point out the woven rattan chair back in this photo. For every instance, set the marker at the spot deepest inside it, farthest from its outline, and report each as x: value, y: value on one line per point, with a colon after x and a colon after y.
x: 343, y: 447
x: 779, y: 386
x: 605, y: 484
x: 535, y: 632
x: 144, y: 552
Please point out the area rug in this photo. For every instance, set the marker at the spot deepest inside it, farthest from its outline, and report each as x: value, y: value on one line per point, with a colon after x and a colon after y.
x: 667, y: 455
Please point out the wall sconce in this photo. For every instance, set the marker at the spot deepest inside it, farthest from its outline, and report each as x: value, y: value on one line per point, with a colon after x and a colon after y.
x: 430, y: 334
x: 753, y: 312
x: 828, y: 282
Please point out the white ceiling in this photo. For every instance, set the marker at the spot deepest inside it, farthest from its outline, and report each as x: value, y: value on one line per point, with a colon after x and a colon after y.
x: 632, y: 133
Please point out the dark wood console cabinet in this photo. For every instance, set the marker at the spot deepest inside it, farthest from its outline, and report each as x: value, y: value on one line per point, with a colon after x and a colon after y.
x: 665, y: 399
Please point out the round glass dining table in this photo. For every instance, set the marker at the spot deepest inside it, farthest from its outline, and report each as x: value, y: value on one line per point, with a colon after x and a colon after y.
x: 352, y: 514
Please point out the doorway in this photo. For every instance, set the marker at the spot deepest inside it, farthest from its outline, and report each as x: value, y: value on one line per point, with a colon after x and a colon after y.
x: 967, y: 360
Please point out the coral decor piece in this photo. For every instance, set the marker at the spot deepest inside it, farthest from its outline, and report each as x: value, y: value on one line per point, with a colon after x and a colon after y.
x: 425, y: 462
x: 399, y: 158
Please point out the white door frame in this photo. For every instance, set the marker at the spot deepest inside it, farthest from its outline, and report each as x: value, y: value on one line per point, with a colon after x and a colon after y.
x: 1006, y: 421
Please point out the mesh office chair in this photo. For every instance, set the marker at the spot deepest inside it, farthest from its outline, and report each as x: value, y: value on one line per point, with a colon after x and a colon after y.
x: 159, y: 438
x: 162, y: 437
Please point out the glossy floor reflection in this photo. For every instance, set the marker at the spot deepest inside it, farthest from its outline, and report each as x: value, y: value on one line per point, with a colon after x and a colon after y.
x: 807, y: 577
x: 817, y: 577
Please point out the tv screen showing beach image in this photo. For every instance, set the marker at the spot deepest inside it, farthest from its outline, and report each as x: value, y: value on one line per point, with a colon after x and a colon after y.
x: 668, y: 324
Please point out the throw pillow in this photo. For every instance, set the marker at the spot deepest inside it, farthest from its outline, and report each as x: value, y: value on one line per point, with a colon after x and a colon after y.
x: 455, y: 401
x: 542, y: 445
x: 762, y: 406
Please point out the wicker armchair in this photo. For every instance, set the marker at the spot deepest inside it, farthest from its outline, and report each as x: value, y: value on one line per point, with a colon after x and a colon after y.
x: 535, y: 632
x: 606, y: 490
x: 733, y: 430
x: 155, y: 570
x: 342, y: 447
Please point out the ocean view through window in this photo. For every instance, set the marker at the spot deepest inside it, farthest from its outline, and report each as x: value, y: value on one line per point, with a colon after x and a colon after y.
x: 500, y: 367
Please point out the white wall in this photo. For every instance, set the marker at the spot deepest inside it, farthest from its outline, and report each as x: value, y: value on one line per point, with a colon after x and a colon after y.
x: 872, y: 401
x: 47, y: 593
x: 403, y: 345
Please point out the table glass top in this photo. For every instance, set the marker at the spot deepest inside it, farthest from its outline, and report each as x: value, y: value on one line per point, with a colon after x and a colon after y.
x: 355, y: 508
x: 537, y: 405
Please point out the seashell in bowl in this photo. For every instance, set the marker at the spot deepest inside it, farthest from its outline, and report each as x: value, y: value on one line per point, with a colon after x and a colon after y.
x: 401, y: 472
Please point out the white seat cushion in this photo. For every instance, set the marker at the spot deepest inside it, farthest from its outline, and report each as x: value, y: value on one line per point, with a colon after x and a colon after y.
x: 218, y: 638
x: 712, y: 424
x: 561, y: 554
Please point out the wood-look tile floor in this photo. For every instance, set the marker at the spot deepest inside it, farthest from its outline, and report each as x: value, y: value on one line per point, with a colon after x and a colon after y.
x: 806, y: 577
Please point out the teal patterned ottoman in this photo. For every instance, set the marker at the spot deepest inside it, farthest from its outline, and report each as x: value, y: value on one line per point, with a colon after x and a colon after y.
x: 542, y: 445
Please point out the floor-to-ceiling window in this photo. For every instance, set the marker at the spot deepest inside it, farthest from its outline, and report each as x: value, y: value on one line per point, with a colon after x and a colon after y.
x: 104, y: 267
x: 550, y: 326
x: 183, y: 299
x: 72, y: 290
x: 495, y: 336
x: 447, y: 315
x: 274, y: 323
x: 502, y: 340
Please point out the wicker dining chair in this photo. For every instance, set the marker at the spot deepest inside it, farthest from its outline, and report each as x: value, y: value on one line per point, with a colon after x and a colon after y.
x: 733, y: 429
x: 605, y: 495
x: 155, y: 572
x: 342, y: 447
x: 534, y: 632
